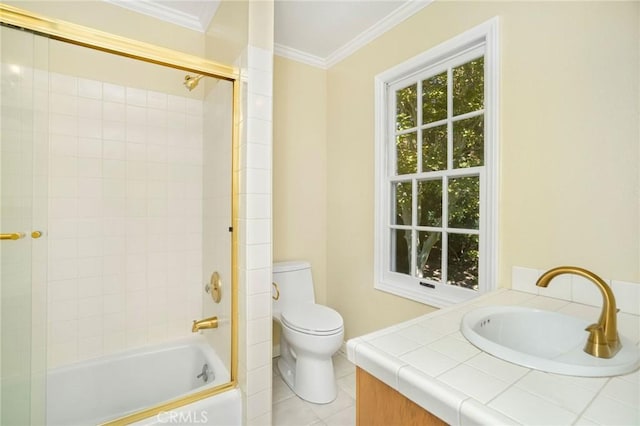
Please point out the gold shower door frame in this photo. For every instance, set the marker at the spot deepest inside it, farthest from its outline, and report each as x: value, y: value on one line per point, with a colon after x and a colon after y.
x: 122, y: 46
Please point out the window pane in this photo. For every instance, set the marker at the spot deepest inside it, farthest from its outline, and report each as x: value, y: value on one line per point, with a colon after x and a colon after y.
x: 434, y: 98
x: 406, y: 154
x: 468, y: 142
x: 400, y: 251
x: 464, y: 202
x: 430, y: 203
x: 462, y: 266
x: 401, y: 193
x: 429, y: 255
x: 468, y: 87
x: 406, y: 108
x: 434, y: 149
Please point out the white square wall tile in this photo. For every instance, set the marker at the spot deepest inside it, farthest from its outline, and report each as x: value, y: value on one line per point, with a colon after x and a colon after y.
x: 258, y: 404
x: 259, y: 281
x: 89, y: 88
x: 259, y: 106
x: 258, y: 355
x: 258, y: 206
x: 259, y: 380
x: 136, y: 97
x: 584, y: 291
x: 63, y: 187
x: 62, y: 145
x: 259, y: 306
x: 560, y: 287
x: 65, y: 84
x: 258, y: 256
x: 261, y: 82
x: 90, y: 108
x: 259, y: 131
x: 63, y: 310
x: 176, y: 103
x: 259, y: 156
x: 524, y: 279
x: 113, y: 93
x: 259, y: 58
x: 157, y: 100
x: 114, y: 111
x: 63, y: 124
x: 258, y: 181
x: 627, y: 296
x: 259, y: 330
x: 258, y: 231
x: 63, y: 104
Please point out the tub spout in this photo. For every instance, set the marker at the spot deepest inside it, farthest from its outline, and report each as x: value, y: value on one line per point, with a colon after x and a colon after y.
x: 603, y: 341
x: 203, y: 324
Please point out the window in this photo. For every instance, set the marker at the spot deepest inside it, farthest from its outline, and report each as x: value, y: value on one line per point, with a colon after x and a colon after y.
x: 436, y: 171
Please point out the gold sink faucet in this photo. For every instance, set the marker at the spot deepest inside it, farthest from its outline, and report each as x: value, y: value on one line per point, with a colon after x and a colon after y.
x: 603, y: 341
x: 203, y: 324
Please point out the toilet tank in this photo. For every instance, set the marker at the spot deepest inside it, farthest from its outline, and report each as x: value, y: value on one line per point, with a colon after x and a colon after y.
x: 295, y: 284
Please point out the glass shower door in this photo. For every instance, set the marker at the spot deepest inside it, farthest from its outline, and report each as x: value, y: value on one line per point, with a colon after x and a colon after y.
x: 23, y: 208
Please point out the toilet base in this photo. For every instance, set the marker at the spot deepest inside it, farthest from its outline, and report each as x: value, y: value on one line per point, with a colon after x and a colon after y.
x: 312, y: 380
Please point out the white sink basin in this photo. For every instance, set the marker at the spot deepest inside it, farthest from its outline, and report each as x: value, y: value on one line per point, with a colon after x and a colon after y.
x: 542, y: 340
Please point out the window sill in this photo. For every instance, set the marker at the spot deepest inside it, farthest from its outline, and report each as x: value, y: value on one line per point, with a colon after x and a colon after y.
x: 431, y: 297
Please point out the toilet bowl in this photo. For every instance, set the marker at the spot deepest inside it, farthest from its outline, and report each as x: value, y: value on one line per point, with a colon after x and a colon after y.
x: 311, y: 334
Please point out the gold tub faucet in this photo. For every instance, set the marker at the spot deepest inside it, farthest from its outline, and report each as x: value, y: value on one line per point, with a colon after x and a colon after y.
x: 205, y: 323
x: 603, y: 341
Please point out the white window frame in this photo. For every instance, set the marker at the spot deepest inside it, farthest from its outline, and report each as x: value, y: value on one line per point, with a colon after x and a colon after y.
x: 482, y: 37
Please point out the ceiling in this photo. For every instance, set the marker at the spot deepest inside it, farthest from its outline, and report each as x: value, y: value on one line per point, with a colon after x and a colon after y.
x: 320, y: 33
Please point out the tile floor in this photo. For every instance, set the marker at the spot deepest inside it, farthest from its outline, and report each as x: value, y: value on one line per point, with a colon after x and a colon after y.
x: 289, y: 410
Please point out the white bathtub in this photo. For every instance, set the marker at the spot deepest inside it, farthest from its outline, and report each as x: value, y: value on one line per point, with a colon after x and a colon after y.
x: 106, y: 388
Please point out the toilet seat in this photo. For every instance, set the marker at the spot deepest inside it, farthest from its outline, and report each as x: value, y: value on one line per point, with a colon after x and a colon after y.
x: 311, y: 318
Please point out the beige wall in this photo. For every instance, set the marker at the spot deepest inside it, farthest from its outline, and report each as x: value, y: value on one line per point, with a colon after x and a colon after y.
x: 569, y: 145
x: 299, y: 169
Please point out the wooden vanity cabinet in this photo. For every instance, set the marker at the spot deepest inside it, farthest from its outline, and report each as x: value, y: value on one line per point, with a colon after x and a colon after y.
x: 380, y: 405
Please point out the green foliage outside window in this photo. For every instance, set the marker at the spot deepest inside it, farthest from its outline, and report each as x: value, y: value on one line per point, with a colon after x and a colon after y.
x: 463, y: 192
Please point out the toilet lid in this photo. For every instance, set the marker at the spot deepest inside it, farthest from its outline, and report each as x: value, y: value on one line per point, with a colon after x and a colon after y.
x: 312, y: 319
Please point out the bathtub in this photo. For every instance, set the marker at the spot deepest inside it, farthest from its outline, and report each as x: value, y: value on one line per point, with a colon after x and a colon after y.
x: 102, y: 389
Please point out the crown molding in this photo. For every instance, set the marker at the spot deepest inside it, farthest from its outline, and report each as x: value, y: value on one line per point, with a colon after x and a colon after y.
x: 300, y: 56
x: 398, y: 16
x: 157, y: 10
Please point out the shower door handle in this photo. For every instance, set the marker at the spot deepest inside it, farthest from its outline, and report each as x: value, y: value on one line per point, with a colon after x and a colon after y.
x: 13, y: 236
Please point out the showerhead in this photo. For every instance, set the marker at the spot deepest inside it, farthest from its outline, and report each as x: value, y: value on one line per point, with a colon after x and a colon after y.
x: 190, y: 82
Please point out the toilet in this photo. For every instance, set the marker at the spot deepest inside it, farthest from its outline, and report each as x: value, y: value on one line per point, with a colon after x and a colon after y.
x: 311, y: 334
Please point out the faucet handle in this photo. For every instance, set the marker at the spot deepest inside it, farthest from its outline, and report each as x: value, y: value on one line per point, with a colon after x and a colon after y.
x: 597, y: 344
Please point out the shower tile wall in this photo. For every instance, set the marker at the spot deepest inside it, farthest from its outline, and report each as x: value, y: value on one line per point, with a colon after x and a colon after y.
x: 254, y: 296
x: 216, y: 244
x: 125, y: 217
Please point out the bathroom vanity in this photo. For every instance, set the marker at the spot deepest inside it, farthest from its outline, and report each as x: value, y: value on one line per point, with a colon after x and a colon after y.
x: 425, y: 372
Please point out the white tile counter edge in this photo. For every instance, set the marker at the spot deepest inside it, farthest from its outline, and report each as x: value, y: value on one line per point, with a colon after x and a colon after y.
x: 449, y: 404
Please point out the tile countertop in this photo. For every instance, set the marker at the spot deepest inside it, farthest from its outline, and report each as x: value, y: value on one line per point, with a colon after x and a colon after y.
x: 430, y: 362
